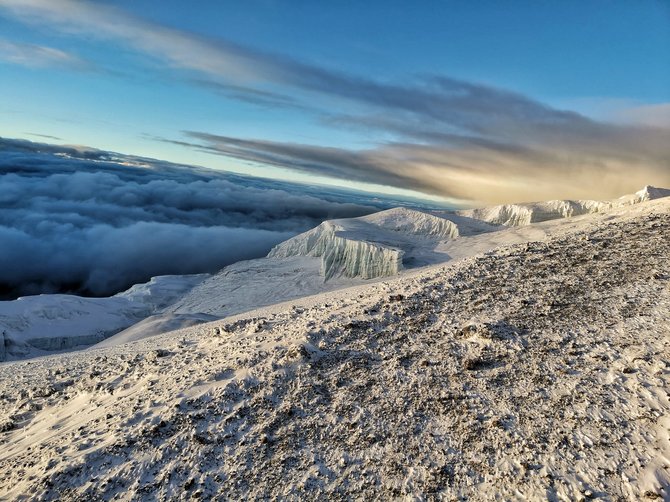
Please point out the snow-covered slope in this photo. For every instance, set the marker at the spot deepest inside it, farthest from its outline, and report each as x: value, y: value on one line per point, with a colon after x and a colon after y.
x: 534, y: 212
x: 161, y: 291
x: 34, y: 325
x: 155, y: 325
x: 250, y: 284
x: 538, y: 371
x: 335, y: 254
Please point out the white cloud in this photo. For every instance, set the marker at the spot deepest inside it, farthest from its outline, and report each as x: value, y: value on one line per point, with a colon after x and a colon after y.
x: 39, y: 56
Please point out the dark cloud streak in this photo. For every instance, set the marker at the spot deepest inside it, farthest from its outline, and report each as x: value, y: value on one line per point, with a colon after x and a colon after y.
x: 250, y: 95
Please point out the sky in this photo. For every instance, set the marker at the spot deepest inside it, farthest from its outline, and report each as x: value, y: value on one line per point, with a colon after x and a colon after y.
x: 459, y: 101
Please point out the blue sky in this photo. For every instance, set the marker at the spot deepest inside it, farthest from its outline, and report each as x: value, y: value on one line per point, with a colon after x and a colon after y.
x: 468, y: 101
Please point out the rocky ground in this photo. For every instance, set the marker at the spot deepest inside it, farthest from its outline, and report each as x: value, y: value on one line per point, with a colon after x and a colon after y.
x: 534, y: 371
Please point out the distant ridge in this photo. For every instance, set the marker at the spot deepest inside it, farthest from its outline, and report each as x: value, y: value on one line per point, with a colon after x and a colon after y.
x: 514, y: 215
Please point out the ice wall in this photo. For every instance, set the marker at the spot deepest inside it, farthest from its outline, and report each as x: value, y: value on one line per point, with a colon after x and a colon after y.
x: 32, y: 325
x: 342, y: 255
x: 650, y: 193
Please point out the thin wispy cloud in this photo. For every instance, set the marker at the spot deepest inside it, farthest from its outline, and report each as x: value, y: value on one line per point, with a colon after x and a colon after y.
x: 179, y: 48
x: 657, y: 115
x: 249, y: 94
x: 45, y: 136
x: 40, y: 56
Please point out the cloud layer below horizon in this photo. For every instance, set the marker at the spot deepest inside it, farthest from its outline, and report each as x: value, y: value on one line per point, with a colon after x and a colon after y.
x: 94, y: 223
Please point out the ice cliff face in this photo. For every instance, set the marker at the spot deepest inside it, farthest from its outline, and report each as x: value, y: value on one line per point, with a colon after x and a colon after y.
x: 33, y: 325
x: 341, y: 255
x: 650, y: 193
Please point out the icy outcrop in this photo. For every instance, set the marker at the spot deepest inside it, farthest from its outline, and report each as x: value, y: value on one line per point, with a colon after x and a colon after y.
x: 341, y: 255
x: 374, y: 245
x: 651, y: 193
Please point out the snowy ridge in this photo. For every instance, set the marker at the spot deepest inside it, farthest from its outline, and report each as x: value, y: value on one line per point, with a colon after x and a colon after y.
x: 515, y: 215
x: 340, y: 255
x: 334, y: 255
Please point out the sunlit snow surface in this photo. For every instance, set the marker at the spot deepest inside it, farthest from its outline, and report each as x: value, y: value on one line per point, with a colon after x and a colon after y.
x: 537, y: 368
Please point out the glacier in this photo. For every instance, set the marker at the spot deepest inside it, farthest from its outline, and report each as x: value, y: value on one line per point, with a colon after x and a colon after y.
x: 372, y: 246
x: 341, y: 255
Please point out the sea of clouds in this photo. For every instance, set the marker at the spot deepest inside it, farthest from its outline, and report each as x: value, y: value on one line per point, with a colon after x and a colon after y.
x: 94, y: 223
